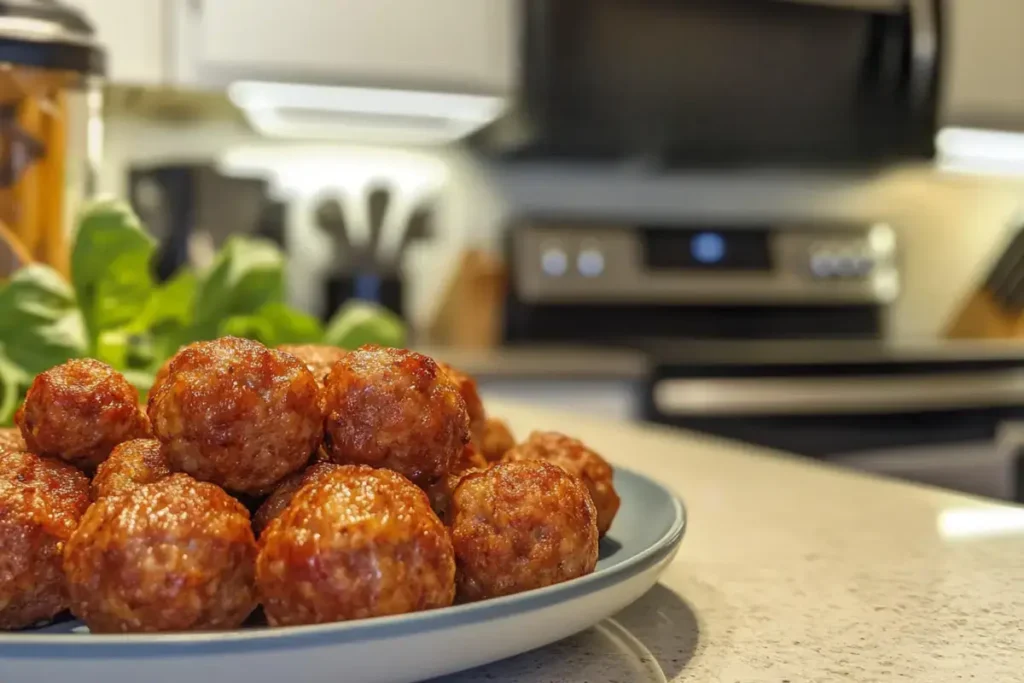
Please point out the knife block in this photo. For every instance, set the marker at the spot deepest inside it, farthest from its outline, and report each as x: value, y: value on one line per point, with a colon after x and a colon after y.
x: 385, y: 289
x: 996, y: 309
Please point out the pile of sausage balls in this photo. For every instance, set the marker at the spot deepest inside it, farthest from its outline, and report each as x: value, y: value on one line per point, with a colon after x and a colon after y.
x: 378, y: 483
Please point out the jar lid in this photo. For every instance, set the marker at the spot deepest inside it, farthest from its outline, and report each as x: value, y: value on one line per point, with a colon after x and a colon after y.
x: 48, y: 34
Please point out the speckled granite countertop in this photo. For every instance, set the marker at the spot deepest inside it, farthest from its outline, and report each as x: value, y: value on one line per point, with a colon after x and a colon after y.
x: 798, y: 572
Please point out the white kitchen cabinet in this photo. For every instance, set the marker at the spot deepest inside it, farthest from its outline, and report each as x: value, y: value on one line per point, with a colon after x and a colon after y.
x: 133, y: 32
x: 984, y: 85
x: 464, y: 45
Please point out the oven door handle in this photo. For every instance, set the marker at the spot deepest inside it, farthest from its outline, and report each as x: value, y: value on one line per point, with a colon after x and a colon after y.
x: 882, y: 394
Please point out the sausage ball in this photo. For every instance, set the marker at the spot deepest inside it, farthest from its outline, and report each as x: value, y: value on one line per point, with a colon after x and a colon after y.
x: 11, y: 440
x: 319, y: 358
x: 41, y: 501
x: 282, y: 496
x: 131, y: 464
x: 572, y: 456
x: 497, y: 440
x: 440, y: 492
x: 237, y: 414
x: 174, y: 555
x: 474, y: 406
x: 357, y: 542
x: 396, y: 409
x: 79, y: 411
x: 519, y: 526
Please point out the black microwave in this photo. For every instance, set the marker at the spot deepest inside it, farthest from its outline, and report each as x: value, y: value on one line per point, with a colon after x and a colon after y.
x: 699, y: 82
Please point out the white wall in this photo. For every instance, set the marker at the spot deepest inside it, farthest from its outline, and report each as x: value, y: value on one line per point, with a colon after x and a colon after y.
x: 949, y: 225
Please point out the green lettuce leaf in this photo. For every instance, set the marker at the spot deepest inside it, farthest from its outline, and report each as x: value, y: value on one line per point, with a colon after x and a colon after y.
x: 12, y: 381
x: 173, y: 303
x: 275, y: 324
x: 359, y: 322
x: 165, y: 324
x: 247, y: 275
x: 40, y: 325
x: 110, y: 267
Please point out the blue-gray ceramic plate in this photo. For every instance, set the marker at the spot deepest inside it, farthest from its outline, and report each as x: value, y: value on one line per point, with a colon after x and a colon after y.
x: 643, y: 540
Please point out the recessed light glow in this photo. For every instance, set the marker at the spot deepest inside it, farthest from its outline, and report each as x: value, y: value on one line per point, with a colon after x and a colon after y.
x: 980, y: 522
x: 977, y: 150
x: 295, y: 110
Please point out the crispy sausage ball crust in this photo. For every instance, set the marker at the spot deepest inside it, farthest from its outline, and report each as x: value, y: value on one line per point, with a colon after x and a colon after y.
x: 497, y: 440
x: 237, y: 414
x: 572, y: 456
x: 519, y: 526
x: 11, y: 440
x: 132, y: 463
x: 174, y: 555
x: 319, y: 358
x: 282, y: 496
x: 41, y: 501
x: 440, y: 492
x: 357, y: 542
x: 79, y: 411
x: 396, y: 409
x: 474, y: 406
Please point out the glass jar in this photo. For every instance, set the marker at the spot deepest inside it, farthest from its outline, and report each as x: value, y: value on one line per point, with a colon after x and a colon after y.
x: 50, y: 128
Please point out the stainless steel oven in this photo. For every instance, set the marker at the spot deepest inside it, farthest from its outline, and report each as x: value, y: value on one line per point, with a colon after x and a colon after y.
x: 941, y: 414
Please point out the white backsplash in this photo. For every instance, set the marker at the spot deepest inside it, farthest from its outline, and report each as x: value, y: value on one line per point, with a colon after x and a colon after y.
x: 950, y: 226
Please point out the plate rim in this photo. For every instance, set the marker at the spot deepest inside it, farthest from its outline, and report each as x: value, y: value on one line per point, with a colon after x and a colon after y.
x: 21, y: 645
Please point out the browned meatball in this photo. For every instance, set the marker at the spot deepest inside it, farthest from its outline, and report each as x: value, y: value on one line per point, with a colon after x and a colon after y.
x: 575, y: 458
x: 79, y: 411
x: 497, y: 441
x: 174, y: 555
x: 237, y: 414
x: 474, y: 406
x: 41, y: 501
x: 357, y: 542
x: 282, y: 496
x: 440, y: 492
x: 519, y: 526
x: 319, y: 358
x: 132, y: 463
x: 396, y: 409
x: 11, y: 440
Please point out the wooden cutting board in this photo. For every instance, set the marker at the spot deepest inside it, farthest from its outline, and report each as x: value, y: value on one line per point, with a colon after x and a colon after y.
x: 996, y: 309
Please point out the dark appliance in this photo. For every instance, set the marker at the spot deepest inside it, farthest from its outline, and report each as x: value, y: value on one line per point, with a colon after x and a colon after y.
x: 700, y: 82
x: 178, y: 202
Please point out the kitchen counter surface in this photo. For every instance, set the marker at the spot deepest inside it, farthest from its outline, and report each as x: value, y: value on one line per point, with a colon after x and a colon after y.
x: 795, y: 571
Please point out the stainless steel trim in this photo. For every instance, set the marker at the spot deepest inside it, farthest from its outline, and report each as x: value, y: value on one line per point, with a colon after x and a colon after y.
x: 924, y: 48
x: 782, y: 396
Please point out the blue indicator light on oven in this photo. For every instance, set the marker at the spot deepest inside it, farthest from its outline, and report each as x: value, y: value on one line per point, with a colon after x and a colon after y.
x: 707, y: 247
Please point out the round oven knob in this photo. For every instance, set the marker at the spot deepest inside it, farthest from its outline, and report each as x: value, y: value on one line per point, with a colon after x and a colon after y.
x: 590, y: 263
x: 554, y: 262
x: 824, y: 264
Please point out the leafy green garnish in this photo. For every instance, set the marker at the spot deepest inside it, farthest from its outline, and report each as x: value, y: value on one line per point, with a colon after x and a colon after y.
x: 40, y: 325
x: 275, y: 324
x: 110, y: 267
x: 247, y: 275
x: 359, y: 322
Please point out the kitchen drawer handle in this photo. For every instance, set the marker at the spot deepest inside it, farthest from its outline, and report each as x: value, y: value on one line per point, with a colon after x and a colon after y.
x: 782, y: 396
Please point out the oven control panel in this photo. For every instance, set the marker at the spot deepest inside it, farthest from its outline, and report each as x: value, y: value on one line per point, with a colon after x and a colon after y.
x: 745, y: 264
